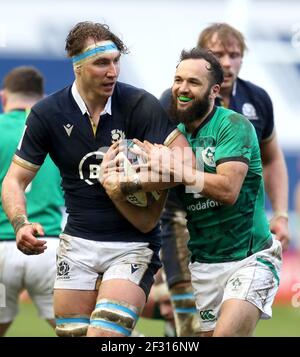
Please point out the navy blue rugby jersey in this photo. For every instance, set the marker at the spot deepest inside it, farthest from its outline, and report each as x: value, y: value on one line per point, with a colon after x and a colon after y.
x: 255, y: 104
x: 56, y: 125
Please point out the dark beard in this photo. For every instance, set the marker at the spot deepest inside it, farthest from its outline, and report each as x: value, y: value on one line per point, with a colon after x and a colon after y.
x: 195, y: 112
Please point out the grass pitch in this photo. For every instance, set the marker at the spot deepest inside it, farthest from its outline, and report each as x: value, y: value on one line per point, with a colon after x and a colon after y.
x: 285, y: 322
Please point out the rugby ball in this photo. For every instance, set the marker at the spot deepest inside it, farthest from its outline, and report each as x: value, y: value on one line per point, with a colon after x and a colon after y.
x: 129, y: 159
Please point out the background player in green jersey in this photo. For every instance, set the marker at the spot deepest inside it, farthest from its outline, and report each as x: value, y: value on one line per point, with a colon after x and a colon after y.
x: 235, y: 263
x: 23, y: 87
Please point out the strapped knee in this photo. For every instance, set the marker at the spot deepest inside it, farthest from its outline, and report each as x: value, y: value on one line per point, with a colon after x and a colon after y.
x: 72, y: 326
x: 186, y: 316
x: 116, y: 316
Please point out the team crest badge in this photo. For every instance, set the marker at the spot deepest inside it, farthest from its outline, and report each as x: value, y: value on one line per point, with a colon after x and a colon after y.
x: 249, y: 111
x: 117, y: 134
x: 208, y: 156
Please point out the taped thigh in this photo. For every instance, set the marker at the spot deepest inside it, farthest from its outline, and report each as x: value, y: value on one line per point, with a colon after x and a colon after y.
x: 116, y: 316
x: 75, y: 326
x: 175, y: 253
x: 187, y: 321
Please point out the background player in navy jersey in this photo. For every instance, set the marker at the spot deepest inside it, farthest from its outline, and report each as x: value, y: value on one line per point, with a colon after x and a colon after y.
x: 22, y: 88
x: 105, y: 264
x: 254, y: 103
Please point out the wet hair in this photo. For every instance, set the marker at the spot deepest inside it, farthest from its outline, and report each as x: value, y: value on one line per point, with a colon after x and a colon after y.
x: 224, y: 33
x: 81, y: 32
x: 215, y: 69
x: 24, y: 80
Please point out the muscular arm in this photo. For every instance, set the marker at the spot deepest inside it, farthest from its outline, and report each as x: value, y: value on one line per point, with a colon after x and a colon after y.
x: 14, y: 205
x: 275, y: 175
x: 13, y: 188
x: 143, y: 218
x: 297, y: 207
x: 183, y: 153
x: 224, y: 186
x: 276, y: 183
x: 146, y: 181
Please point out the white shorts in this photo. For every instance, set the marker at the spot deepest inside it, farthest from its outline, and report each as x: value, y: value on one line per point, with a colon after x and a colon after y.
x: 254, y: 279
x: 82, y: 263
x: 35, y: 273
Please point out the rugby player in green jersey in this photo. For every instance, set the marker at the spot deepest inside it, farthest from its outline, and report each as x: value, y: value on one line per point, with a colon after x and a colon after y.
x: 229, y: 46
x: 235, y: 263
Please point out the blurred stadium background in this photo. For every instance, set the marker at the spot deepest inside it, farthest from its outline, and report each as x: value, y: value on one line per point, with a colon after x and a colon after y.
x: 33, y: 32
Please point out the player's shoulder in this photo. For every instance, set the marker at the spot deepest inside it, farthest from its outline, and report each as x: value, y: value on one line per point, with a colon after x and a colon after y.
x: 165, y: 98
x: 126, y: 93
x: 55, y: 102
x: 14, y: 117
x: 253, y: 89
x: 3, y: 116
x: 127, y: 90
x: 221, y: 113
x: 229, y: 118
x: 166, y: 95
x: 3, y: 119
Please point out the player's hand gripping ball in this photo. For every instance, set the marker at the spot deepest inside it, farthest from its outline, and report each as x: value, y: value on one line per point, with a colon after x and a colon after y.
x: 129, y: 160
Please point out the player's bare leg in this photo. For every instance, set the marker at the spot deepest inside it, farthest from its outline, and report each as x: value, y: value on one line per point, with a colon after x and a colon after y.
x: 51, y: 322
x: 237, y: 318
x: 4, y: 327
x: 119, y: 304
x: 72, y: 311
x: 206, y: 333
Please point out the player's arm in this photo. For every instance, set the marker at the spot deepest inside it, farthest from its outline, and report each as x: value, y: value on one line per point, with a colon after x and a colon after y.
x: 276, y: 183
x: 224, y: 186
x: 14, y: 205
x: 297, y: 208
x: 181, y: 151
x: 143, y: 218
x: 275, y: 174
x: 144, y: 180
x: 112, y: 178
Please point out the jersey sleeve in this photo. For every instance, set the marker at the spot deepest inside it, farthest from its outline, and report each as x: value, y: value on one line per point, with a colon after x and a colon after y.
x: 151, y: 122
x: 235, y: 140
x: 33, y: 146
x: 165, y: 98
x: 268, y: 118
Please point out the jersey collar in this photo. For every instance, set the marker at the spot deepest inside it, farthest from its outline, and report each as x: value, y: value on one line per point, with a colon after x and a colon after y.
x: 205, y: 121
x: 219, y: 98
x: 81, y: 104
x: 234, y: 88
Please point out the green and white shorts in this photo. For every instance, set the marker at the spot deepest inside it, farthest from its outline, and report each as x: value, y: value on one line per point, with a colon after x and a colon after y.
x: 254, y: 279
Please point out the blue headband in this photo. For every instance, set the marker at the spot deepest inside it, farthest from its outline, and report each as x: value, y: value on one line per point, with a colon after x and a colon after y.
x: 91, y: 52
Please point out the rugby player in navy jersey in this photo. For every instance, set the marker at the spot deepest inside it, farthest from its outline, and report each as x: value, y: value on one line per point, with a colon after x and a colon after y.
x: 105, y: 262
x: 228, y: 44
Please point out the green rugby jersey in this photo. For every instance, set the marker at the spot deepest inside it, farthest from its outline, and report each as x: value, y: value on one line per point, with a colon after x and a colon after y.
x: 222, y: 233
x: 44, y: 195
